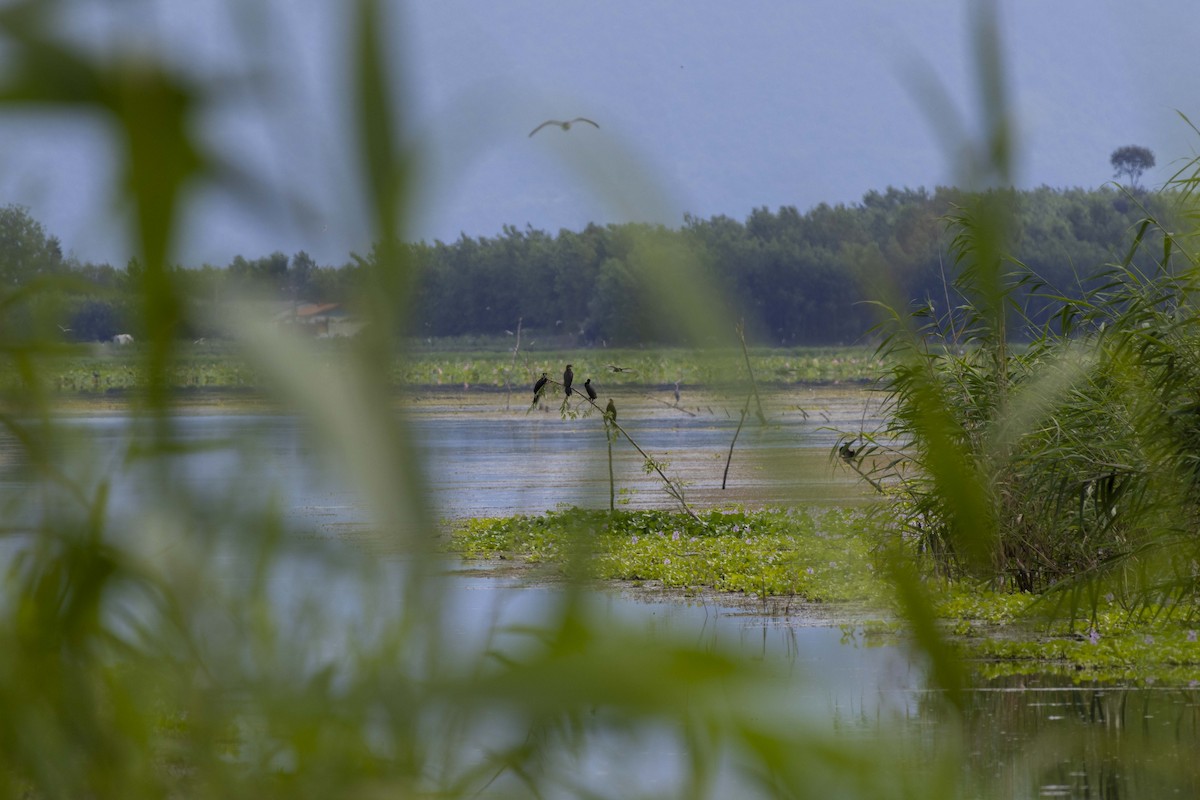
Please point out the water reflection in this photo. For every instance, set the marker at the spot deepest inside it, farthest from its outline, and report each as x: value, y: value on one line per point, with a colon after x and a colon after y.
x: 1033, y: 736
x: 830, y: 672
x: 483, y: 462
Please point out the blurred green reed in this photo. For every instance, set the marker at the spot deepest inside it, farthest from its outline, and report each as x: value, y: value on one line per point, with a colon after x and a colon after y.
x: 1067, y: 468
x: 156, y: 658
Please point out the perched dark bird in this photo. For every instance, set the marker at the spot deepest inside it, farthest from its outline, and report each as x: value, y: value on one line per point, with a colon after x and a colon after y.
x: 591, y: 392
x: 610, y: 410
x: 676, y: 392
x: 565, y: 125
x: 568, y: 377
x: 847, y: 452
x: 537, y: 387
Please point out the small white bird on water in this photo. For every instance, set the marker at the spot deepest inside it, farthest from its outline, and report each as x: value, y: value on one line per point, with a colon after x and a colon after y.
x: 566, y: 126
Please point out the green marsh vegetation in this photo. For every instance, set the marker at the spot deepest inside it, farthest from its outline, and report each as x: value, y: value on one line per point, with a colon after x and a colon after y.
x: 782, y: 562
x: 807, y: 554
x: 99, y: 368
x: 193, y: 647
x: 1072, y: 458
x: 1061, y: 473
x: 648, y: 367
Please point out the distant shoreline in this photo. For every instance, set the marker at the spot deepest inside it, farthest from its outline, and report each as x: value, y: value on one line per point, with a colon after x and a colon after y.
x: 233, y: 399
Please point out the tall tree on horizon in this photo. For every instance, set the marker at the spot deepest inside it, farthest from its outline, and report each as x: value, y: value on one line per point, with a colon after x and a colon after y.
x: 1131, y: 160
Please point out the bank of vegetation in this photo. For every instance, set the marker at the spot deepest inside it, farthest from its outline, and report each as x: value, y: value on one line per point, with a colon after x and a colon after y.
x: 93, y: 371
x: 833, y: 564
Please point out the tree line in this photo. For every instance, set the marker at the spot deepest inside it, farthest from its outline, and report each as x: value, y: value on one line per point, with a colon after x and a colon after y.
x: 795, y: 278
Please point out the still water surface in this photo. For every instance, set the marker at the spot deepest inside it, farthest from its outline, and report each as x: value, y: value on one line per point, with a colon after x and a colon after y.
x: 1023, y: 738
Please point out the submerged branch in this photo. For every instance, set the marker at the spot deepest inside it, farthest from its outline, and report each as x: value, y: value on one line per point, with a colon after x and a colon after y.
x: 673, y: 489
x: 741, y: 332
x: 729, y: 460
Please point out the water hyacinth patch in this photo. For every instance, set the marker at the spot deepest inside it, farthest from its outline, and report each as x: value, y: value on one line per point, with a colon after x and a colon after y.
x: 817, y: 555
x: 828, y: 555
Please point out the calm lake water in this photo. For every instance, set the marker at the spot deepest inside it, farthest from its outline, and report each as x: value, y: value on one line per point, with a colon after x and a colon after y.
x: 1034, y: 737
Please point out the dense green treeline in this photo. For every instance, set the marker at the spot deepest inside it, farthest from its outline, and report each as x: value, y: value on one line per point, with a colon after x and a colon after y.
x: 797, y: 279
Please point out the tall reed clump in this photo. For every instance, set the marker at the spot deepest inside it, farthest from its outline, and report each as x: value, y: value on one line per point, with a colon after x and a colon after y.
x: 1068, y: 460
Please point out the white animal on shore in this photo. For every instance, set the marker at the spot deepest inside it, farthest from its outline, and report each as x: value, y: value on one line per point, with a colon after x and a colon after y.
x: 122, y: 338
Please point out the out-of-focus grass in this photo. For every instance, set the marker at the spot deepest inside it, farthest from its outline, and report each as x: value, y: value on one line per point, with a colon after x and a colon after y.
x: 187, y: 642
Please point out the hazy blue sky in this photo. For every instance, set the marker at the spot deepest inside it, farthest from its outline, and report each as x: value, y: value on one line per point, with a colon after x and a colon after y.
x: 705, y: 108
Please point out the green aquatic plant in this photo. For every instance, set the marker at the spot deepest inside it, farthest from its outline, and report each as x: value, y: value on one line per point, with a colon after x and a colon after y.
x: 782, y: 560
x: 808, y: 555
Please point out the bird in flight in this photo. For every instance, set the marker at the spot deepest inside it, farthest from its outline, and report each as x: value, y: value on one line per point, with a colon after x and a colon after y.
x: 565, y: 125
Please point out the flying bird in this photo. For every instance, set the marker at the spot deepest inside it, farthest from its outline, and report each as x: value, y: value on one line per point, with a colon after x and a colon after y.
x: 591, y: 392
x: 537, y: 387
x: 615, y: 368
x: 568, y: 377
x: 565, y: 125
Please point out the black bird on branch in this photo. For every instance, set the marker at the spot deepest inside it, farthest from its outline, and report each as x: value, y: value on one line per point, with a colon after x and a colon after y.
x: 847, y: 452
x: 590, y: 391
x: 537, y: 387
x: 568, y: 377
